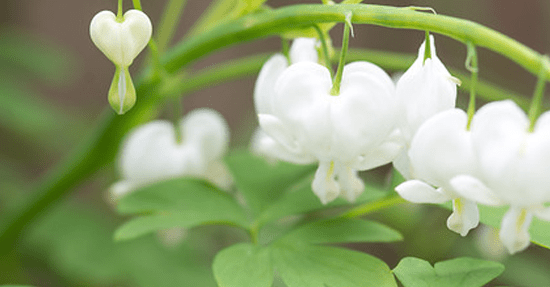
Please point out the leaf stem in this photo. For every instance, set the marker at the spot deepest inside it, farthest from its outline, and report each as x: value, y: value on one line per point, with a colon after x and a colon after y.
x: 137, y: 4
x: 373, y: 206
x: 119, y: 13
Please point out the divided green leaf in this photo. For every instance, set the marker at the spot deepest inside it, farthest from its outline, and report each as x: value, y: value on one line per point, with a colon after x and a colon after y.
x: 319, y: 266
x: 181, y: 202
x: 243, y: 265
x: 459, y: 272
x: 343, y: 230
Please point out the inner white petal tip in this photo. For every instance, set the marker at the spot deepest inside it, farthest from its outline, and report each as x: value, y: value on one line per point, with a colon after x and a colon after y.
x: 122, y: 89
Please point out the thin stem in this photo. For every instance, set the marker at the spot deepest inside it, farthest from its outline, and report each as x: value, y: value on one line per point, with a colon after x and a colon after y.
x: 324, y: 47
x: 373, y: 206
x: 538, y: 96
x: 472, y: 66
x: 285, y: 47
x: 119, y: 13
x: 170, y: 18
x: 137, y: 4
x: 427, y: 47
x: 338, y: 78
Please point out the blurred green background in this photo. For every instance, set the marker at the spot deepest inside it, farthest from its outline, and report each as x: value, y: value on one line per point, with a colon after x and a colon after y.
x: 53, y: 87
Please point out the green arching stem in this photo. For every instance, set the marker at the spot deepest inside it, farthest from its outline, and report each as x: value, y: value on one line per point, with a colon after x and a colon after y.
x: 100, y: 148
x: 274, y: 22
x: 137, y: 4
x: 335, y: 91
x: 119, y: 13
x: 536, y: 105
x: 324, y: 47
x: 170, y: 18
x: 427, y: 48
x: 472, y: 66
x: 373, y: 206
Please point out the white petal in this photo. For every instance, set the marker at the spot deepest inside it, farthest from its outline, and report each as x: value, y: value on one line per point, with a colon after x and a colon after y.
x: 514, y: 232
x: 365, y: 113
x: 265, y: 84
x: 350, y: 184
x: 403, y: 165
x: 535, y: 163
x: 303, y: 50
x: 473, y: 189
x: 442, y: 148
x: 150, y: 152
x: 543, y: 213
x: 121, y: 42
x: 425, y: 89
x: 218, y: 174
x: 465, y: 216
x: 324, y: 185
x: 302, y: 103
x: 499, y: 131
x: 378, y: 156
x: 419, y: 192
x: 207, y: 130
x: 120, y: 189
x: 264, y: 145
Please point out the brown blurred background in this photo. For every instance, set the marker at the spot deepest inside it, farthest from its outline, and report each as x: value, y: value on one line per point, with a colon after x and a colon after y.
x: 82, y: 94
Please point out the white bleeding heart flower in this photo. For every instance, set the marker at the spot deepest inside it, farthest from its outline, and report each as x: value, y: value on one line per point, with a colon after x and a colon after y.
x: 355, y: 130
x: 425, y: 89
x: 152, y: 153
x: 514, y: 168
x: 121, y: 40
x: 442, y: 149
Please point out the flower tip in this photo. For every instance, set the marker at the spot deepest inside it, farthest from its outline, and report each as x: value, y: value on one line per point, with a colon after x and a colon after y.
x: 122, y: 94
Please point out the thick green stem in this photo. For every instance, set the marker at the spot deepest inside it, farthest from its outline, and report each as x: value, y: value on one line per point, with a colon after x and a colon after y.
x: 268, y: 23
x: 538, y: 96
x: 169, y: 21
x: 472, y: 66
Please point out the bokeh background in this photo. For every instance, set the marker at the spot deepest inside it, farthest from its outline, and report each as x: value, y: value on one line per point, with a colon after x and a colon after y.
x: 53, y: 88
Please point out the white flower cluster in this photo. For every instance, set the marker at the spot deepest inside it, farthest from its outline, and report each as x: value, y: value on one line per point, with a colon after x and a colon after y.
x: 152, y: 152
x: 413, y: 124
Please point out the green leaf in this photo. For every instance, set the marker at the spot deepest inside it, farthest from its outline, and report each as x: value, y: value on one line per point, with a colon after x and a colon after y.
x: 301, y: 199
x: 459, y: 272
x: 243, y: 265
x: 181, y: 202
x: 343, y: 230
x: 263, y: 183
x: 320, y: 266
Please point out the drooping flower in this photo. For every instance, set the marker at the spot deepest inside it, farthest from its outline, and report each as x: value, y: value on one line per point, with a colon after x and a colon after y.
x: 424, y: 90
x: 152, y: 153
x: 514, y: 168
x: 121, y: 40
x: 440, y: 150
x: 355, y: 130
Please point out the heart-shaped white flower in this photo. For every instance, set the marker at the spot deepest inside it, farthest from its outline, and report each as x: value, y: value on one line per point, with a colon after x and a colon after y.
x: 425, y: 89
x: 121, y: 40
x: 152, y: 153
x: 514, y: 168
x: 355, y: 130
x: 440, y: 150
